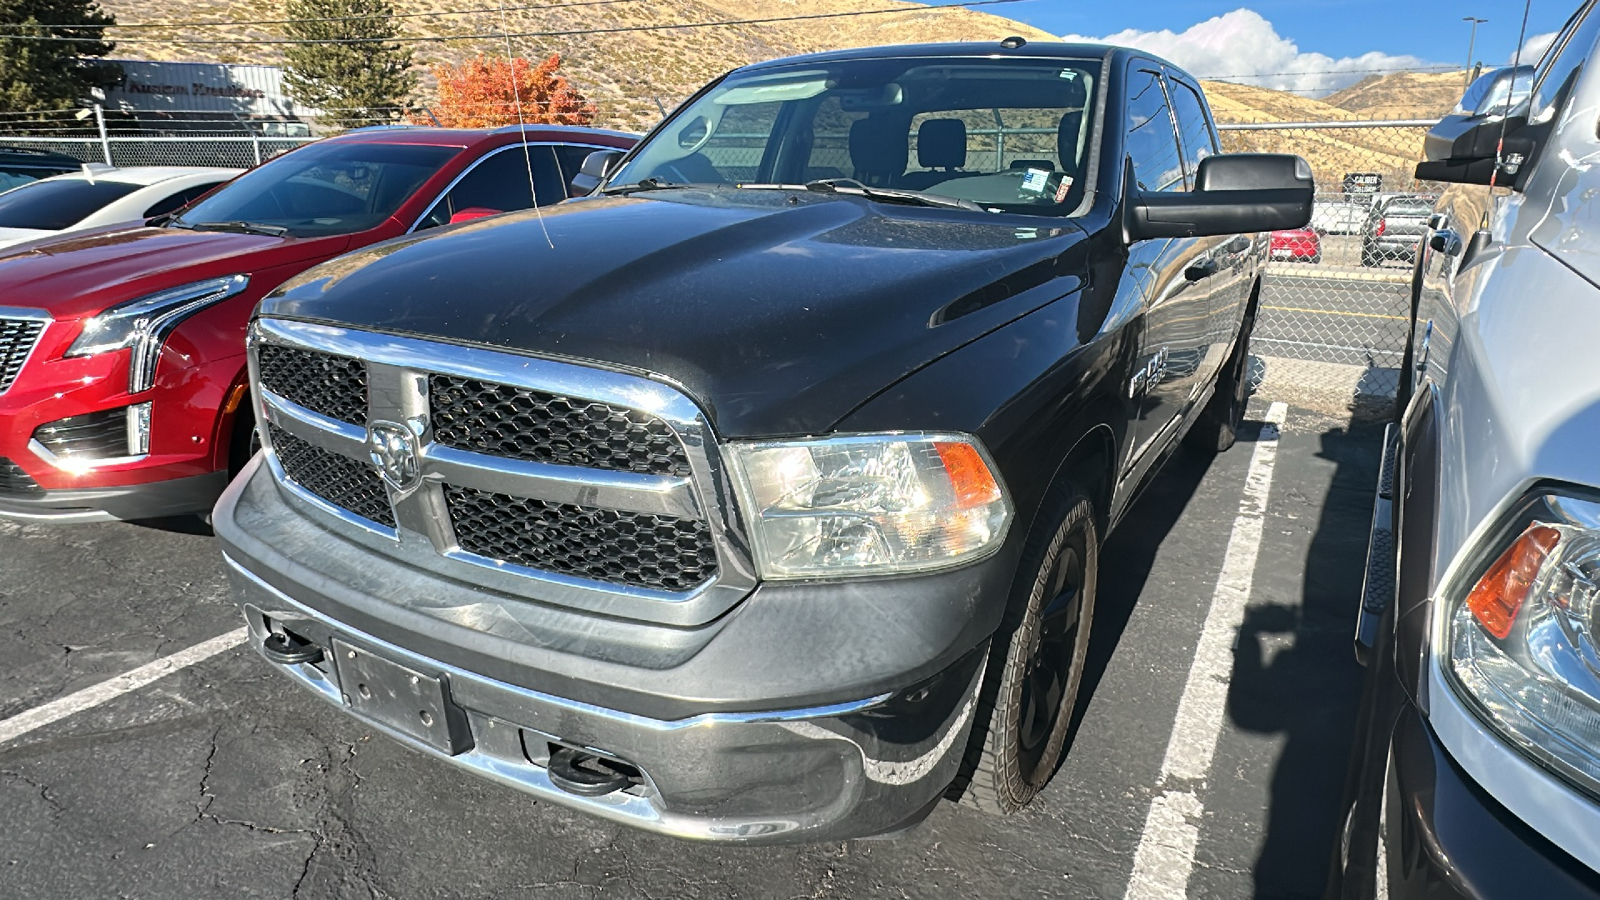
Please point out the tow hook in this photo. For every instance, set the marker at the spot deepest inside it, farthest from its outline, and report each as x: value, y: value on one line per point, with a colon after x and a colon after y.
x: 586, y: 774
x: 286, y: 651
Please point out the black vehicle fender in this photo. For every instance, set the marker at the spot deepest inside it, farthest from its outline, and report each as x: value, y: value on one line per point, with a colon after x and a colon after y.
x: 1045, y: 406
x: 1417, y: 473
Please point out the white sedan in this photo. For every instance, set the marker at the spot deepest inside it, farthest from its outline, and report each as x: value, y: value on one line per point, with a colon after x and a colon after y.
x: 101, y: 195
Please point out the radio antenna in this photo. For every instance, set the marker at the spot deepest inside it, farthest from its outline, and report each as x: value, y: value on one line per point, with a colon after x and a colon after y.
x: 522, y: 126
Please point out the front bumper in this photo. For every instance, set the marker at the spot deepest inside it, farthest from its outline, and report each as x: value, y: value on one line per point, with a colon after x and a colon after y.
x: 179, y: 496
x: 1444, y: 837
x: 849, y: 749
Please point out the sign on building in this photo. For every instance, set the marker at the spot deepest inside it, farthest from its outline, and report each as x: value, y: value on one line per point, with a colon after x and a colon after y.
x: 177, y: 88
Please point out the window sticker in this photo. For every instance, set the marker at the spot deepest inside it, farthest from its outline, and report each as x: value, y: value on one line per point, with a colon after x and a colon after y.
x: 1063, y: 188
x: 1036, y: 181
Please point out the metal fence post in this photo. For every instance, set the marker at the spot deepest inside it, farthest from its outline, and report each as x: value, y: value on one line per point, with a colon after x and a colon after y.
x: 105, y: 141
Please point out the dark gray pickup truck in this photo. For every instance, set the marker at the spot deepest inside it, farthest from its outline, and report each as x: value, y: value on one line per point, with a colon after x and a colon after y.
x: 758, y: 496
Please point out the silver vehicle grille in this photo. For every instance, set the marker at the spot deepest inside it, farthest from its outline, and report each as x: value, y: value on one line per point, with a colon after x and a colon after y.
x: 589, y: 483
x: 17, y: 337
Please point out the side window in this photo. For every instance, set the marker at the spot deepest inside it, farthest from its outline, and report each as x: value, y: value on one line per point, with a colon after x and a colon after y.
x: 1152, y: 144
x: 1193, y: 128
x: 570, y: 157
x: 179, y: 200
x: 738, y: 145
x: 500, y: 182
x: 1562, y: 61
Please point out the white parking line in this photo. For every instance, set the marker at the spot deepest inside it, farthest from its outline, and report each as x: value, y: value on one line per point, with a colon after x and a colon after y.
x: 1165, y: 858
x: 112, y: 688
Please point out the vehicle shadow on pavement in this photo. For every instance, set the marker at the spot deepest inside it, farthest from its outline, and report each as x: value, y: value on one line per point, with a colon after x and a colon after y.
x: 1128, y: 557
x: 1295, y: 674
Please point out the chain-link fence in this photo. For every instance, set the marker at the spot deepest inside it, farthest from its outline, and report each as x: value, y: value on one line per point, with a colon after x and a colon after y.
x: 240, y: 152
x: 1336, y: 300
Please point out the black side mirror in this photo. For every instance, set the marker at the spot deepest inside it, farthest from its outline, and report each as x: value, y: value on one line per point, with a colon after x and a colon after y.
x: 1234, y: 193
x: 596, y: 166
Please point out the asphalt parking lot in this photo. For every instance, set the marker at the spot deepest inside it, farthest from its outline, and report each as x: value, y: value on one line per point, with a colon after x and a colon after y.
x: 224, y: 780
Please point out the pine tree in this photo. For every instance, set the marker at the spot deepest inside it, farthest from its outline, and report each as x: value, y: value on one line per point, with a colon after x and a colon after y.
x: 359, y: 83
x: 40, y: 75
x: 487, y: 91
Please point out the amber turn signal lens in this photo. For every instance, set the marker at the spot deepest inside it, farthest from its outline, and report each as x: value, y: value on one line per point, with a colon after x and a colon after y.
x: 974, y: 484
x: 1499, y: 594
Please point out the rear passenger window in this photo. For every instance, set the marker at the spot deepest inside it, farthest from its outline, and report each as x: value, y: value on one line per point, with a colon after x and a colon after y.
x: 500, y: 182
x: 1195, y: 131
x: 1152, y: 143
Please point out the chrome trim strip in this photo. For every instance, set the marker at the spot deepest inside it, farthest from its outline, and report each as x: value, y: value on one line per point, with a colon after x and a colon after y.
x: 75, y: 464
x: 496, y: 152
x: 32, y: 315
x: 397, y: 370
x: 661, y: 495
x: 315, y: 428
x: 416, y: 660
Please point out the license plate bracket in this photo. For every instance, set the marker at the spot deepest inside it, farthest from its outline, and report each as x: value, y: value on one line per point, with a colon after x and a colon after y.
x: 410, y: 702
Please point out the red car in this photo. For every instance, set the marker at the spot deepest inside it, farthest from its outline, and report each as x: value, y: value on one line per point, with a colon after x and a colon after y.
x: 1297, y: 245
x: 122, y: 360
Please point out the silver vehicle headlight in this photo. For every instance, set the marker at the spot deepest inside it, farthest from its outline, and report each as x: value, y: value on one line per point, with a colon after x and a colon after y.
x: 144, y: 325
x: 1521, y: 635
x: 870, y: 504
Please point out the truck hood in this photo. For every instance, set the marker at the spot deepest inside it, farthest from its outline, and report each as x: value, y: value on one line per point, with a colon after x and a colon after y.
x: 82, y: 273
x: 779, y: 312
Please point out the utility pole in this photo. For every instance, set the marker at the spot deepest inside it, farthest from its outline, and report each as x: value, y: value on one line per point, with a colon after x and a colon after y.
x: 1471, y: 40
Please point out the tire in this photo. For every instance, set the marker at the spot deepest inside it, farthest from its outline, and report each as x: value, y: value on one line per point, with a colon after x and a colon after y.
x: 1367, y: 258
x: 1217, y: 428
x: 243, y: 443
x: 1031, y: 689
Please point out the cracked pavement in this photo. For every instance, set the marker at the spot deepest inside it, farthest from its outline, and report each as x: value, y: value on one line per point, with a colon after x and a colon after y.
x: 225, y: 780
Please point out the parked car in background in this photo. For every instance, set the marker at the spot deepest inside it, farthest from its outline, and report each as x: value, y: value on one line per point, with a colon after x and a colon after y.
x: 1296, y: 245
x: 741, y: 500
x: 100, y: 196
x: 1478, y: 764
x: 122, y: 368
x: 1394, y: 226
x: 1339, y: 216
x: 20, y: 165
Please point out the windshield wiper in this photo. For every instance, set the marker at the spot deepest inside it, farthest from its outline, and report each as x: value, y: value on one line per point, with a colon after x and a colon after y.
x: 240, y: 227
x: 644, y: 184
x: 892, y: 195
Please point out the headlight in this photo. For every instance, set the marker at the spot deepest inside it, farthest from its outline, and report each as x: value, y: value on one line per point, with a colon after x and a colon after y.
x: 1521, y: 636
x: 870, y: 504
x: 144, y: 325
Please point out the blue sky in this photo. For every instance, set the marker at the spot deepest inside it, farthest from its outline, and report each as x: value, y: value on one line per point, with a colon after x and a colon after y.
x: 1310, y: 34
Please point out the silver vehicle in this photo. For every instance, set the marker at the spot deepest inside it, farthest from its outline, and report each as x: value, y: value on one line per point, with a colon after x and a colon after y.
x: 1478, y: 768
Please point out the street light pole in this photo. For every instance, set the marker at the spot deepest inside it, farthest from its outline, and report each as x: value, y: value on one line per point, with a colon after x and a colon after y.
x: 1471, y: 40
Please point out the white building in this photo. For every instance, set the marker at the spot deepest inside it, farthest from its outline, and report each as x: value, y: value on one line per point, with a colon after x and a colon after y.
x: 186, y: 96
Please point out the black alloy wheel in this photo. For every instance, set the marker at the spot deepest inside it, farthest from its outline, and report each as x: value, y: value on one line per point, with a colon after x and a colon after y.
x: 1031, y: 690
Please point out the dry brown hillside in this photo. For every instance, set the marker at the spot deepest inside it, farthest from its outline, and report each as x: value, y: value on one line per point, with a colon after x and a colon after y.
x: 630, y: 75
x: 1402, y: 95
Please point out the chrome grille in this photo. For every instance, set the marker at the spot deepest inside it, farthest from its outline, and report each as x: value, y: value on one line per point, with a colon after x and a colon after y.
x: 553, y: 481
x: 97, y: 435
x: 335, y: 386
x: 337, y: 479
x: 17, y: 337
x: 15, y: 481
x: 518, y: 423
x: 658, y: 552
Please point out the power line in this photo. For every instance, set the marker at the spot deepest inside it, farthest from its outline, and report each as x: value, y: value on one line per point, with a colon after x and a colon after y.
x: 573, y: 32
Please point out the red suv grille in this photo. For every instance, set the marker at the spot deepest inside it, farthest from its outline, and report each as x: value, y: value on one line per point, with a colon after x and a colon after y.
x: 17, y: 337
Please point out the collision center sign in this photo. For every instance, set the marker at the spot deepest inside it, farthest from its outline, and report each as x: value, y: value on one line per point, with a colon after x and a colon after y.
x: 201, y: 87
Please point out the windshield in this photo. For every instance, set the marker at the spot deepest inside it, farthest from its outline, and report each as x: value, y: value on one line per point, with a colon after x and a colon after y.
x: 1010, y: 135
x: 323, y: 189
x: 54, y: 205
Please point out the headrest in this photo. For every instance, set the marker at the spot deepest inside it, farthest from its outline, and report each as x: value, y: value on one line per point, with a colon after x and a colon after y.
x: 942, y: 144
x: 878, y: 148
x: 1067, y: 140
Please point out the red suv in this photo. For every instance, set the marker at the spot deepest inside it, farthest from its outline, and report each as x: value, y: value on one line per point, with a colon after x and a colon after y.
x: 122, y: 366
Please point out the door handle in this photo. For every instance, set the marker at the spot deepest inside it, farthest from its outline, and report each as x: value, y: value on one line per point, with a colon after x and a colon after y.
x: 1201, y: 268
x: 1238, y: 245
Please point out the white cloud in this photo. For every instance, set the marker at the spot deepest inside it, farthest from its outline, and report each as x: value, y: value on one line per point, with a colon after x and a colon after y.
x: 1534, y: 47
x: 1243, y: 46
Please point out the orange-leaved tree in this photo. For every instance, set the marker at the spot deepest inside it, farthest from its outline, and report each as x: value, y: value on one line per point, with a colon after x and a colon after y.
x: 486, y: 91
